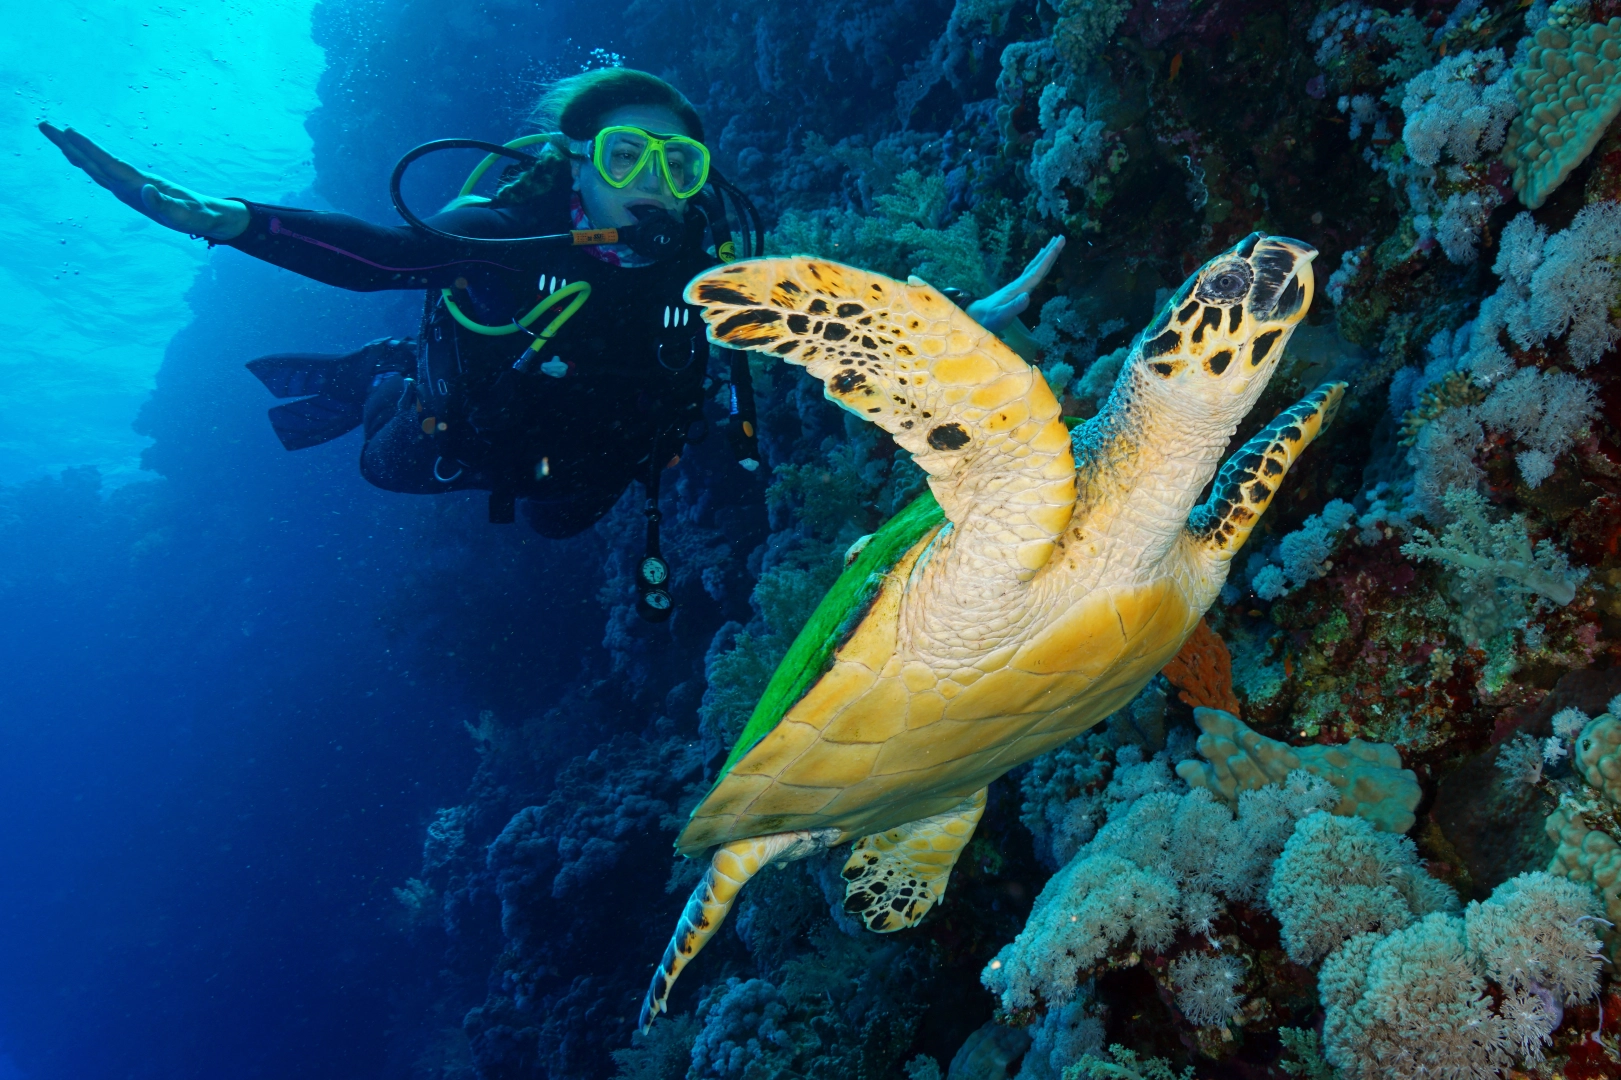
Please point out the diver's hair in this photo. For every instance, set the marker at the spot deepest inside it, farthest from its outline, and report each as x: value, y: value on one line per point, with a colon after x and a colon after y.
x: 575, y: 106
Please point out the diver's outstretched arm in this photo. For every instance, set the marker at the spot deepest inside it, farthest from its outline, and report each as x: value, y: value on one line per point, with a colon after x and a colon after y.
x: 336, y: 249
x: 170, y: 205
x: 999, y: 312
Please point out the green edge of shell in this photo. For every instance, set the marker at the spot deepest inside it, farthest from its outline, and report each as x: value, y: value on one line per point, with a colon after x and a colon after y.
x: 834, y: 620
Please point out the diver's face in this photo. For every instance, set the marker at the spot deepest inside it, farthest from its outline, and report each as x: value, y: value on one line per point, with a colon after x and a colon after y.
x: 610, y: 207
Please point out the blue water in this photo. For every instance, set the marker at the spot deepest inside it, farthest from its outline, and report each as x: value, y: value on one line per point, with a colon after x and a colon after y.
x: 235, y: 680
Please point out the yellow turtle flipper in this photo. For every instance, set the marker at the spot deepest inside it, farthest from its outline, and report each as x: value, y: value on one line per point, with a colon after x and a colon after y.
x: 729, y: 870
x: 1245, y: 486
x: 895, y: 877
x: 979, y: 420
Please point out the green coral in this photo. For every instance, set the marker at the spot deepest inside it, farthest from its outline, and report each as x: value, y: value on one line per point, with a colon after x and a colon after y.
x: 1120, y: 1063
x: 906, y: 233
x: 1302, y: 1044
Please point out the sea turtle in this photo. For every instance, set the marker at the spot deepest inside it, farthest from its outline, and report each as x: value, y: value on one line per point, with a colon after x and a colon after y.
x: 1039, y: 585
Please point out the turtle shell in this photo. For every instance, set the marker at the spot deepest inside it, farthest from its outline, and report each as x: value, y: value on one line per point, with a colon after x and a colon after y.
x: 848, y: 736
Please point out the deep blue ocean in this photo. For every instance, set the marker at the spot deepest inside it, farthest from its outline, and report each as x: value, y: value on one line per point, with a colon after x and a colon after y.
x: 235, y: 680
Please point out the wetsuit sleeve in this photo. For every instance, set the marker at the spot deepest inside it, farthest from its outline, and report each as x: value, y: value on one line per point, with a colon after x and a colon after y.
x: 354, y: 254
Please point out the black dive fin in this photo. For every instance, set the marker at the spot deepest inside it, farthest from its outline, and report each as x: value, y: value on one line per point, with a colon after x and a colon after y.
x: 290, y: 375
x: 334, y: 388
x: 301, y: 424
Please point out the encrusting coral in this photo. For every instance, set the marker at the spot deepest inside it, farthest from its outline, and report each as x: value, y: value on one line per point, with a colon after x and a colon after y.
x: 1367, y: 777
x: 1569, y: 90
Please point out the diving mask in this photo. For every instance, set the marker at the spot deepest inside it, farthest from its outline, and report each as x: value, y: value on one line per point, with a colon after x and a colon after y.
x: 620, y: 153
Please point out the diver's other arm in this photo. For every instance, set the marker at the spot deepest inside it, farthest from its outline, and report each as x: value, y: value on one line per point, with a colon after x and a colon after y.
x: 170, y: 205
x: 999, y: 312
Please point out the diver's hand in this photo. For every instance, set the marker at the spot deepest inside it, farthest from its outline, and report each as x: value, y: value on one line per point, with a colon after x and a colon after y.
x: 167, y: 204
x: 996, y: 311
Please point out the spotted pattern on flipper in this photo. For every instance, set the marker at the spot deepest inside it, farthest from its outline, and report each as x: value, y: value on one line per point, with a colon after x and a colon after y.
x: 979, y: 420
x: 1251, y: 477
x: 730, y: 869
x: 893, y: 878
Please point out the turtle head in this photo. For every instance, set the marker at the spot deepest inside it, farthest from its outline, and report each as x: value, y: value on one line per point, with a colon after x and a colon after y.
x: 1218, y: 340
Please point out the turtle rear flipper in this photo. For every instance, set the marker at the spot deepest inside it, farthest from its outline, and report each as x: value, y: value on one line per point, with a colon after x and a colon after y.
x: 979, y: 420
x: 730, y: 869
x: 895, y: 877
x: 1245, y: 486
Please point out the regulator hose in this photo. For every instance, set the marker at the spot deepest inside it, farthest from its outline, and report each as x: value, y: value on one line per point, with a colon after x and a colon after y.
x: 657, y: 233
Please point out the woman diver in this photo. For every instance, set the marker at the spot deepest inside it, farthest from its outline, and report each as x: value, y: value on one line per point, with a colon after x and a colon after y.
x: 507, y: 389
x: 565, y: 426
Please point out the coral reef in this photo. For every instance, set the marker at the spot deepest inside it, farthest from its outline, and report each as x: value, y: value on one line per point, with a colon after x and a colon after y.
x: 1407, y: 619
x: 1415, y: 1003
x: 1169, y: 863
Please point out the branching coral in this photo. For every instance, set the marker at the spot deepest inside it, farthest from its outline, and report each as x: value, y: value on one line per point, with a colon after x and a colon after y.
x: 1487, y: 554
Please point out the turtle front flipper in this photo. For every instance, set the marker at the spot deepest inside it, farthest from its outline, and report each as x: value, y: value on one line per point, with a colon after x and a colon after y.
x: 729, y: 870
x: 1247, y: 482
x: 895, y: 877
x: 979, y: 420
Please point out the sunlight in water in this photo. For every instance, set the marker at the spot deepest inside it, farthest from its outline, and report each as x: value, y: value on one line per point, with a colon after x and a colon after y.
x: 211, y: 95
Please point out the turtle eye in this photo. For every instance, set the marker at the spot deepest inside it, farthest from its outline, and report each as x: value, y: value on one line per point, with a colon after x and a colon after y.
x: 1227, y: 285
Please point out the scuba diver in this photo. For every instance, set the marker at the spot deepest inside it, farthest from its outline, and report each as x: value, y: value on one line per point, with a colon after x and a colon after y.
x: 557, y: 361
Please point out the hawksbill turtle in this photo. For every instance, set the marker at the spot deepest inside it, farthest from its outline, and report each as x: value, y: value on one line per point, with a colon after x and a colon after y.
x: 1039, y: 584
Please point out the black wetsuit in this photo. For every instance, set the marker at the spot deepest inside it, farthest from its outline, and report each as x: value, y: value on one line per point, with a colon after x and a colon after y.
x: 461, y: 417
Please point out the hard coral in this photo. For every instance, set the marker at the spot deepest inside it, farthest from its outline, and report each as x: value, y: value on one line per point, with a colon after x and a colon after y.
x: 1569, y: 91
x: 1368, y: 777
x: 1584, y: 826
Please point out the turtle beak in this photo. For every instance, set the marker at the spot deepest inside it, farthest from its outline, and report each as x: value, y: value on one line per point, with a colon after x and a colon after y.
x: 1284, y: 283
